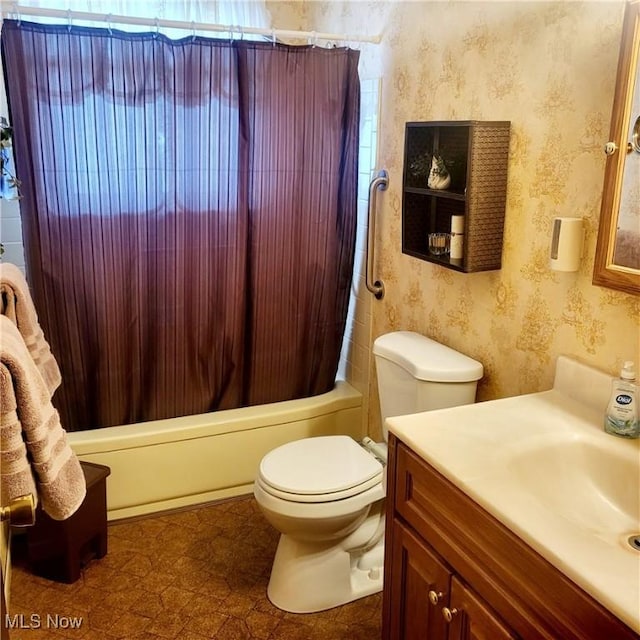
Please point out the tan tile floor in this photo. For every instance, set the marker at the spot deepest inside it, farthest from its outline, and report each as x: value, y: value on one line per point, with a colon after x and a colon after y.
x: 190, y: 575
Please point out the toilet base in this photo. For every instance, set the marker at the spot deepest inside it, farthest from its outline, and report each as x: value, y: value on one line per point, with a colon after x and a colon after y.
x: 308, y: 577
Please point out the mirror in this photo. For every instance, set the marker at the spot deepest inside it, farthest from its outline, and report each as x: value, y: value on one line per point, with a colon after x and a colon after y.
x: 617, y: 263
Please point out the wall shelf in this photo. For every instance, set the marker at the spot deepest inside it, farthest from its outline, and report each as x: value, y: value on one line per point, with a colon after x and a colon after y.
x: 476, y: 156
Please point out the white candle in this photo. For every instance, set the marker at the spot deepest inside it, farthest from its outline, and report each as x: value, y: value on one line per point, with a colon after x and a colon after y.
x: 457, y: 237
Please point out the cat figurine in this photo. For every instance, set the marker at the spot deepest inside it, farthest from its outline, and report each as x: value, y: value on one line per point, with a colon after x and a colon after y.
x: 439, y: 177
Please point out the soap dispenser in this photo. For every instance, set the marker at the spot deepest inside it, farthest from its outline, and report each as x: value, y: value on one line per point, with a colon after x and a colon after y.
x: 621, y: 418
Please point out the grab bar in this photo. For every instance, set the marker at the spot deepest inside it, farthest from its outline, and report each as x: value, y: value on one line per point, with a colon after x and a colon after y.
x: 381, y: 181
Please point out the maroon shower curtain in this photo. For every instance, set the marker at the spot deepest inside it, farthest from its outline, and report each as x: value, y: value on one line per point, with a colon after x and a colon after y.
x: 188, y: 212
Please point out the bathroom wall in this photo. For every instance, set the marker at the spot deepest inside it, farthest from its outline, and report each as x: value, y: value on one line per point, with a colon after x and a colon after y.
x: 549, y: 68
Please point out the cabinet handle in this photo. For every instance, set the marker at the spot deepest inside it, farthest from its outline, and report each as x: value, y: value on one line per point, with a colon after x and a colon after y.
x: 449, y: 614
x: 435, y: 596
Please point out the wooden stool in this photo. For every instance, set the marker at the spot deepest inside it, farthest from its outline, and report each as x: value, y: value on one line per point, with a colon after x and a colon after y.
x: 58, y: 549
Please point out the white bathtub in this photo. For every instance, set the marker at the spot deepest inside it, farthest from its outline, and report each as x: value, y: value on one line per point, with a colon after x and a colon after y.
x: 166, y: 464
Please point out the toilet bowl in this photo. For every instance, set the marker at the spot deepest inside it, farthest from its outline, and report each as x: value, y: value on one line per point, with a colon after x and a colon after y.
x: 325, y: 495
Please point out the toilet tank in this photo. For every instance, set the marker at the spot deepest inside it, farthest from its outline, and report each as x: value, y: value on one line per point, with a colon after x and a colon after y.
x: 417, y: 374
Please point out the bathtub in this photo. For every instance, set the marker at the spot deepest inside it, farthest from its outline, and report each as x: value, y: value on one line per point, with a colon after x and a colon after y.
x: 168, y: 464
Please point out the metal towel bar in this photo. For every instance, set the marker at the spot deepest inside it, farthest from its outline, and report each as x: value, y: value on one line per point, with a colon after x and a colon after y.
x: 381, y: 182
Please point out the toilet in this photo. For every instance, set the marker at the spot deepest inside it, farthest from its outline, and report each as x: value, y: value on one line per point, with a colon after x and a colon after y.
x: 325, y: 494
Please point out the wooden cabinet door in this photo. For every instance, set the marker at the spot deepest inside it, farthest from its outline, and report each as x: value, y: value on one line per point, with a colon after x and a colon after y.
x: 416, y: 575
x: 471, y: 619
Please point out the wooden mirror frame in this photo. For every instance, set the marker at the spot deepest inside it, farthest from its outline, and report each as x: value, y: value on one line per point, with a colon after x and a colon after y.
x: 606, y: 273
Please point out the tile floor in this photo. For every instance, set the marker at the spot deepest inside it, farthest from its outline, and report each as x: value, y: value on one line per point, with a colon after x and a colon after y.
x: 190, y: 575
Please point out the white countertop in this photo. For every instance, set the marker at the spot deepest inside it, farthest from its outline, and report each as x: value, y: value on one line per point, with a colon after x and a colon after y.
x: 488, y: 450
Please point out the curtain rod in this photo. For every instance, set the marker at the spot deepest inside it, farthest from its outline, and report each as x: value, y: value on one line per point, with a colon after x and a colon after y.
x: 109, y: 19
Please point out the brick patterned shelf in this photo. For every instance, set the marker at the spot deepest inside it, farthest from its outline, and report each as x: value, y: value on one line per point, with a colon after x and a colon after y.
x: 476, y: 155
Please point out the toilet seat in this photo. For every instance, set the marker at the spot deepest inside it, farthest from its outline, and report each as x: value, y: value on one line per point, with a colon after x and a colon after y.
x: 321, y: 469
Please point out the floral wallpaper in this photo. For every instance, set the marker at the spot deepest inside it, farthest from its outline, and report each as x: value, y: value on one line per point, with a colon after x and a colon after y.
x: 549, y: 68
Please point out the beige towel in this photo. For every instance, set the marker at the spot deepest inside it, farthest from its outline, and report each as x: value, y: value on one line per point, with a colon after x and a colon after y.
x: 34, y: 453
x: 17, y: 305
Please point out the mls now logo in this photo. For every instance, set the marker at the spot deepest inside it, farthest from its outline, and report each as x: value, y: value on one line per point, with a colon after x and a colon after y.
x: 36, y: 621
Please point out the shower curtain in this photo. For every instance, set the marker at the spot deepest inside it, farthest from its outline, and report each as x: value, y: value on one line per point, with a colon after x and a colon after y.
x: 188, y: 210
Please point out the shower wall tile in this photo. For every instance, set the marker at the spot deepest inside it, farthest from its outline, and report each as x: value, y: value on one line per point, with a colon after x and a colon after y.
x: 10, y: 225
x: 11, y: 233
x: 355, y: 358
x: 10, y: 229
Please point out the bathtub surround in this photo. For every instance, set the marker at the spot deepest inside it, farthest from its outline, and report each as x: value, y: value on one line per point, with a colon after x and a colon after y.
x: 549, y: 68
x: 172, y: 463
x: 189, y: 215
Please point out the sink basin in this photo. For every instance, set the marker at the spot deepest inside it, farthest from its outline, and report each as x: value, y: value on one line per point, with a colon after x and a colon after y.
x: 589, y: 481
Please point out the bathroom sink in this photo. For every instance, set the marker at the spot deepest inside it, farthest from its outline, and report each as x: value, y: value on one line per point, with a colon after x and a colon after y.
x: 588, y: 481
x: 543, y: 466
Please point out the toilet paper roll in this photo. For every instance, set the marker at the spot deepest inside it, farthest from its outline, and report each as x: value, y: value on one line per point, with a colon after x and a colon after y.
x: 457, y: 224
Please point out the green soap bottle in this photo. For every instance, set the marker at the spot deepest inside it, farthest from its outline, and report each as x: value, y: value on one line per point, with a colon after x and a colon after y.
x: 621, y: 418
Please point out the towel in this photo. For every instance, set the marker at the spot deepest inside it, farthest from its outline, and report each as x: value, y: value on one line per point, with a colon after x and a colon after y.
x: 16, y: 303
x: 35, y: 455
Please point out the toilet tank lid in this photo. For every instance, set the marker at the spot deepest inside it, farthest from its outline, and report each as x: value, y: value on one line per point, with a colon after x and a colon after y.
x: 426, y: 359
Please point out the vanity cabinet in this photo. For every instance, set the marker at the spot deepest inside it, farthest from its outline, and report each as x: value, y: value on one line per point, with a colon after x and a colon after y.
x: 454, y: 572
x: 475, y: 155
x: 433, y: 603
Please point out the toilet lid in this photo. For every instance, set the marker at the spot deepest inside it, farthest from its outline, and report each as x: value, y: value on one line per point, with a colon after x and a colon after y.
x: 322, y: 465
